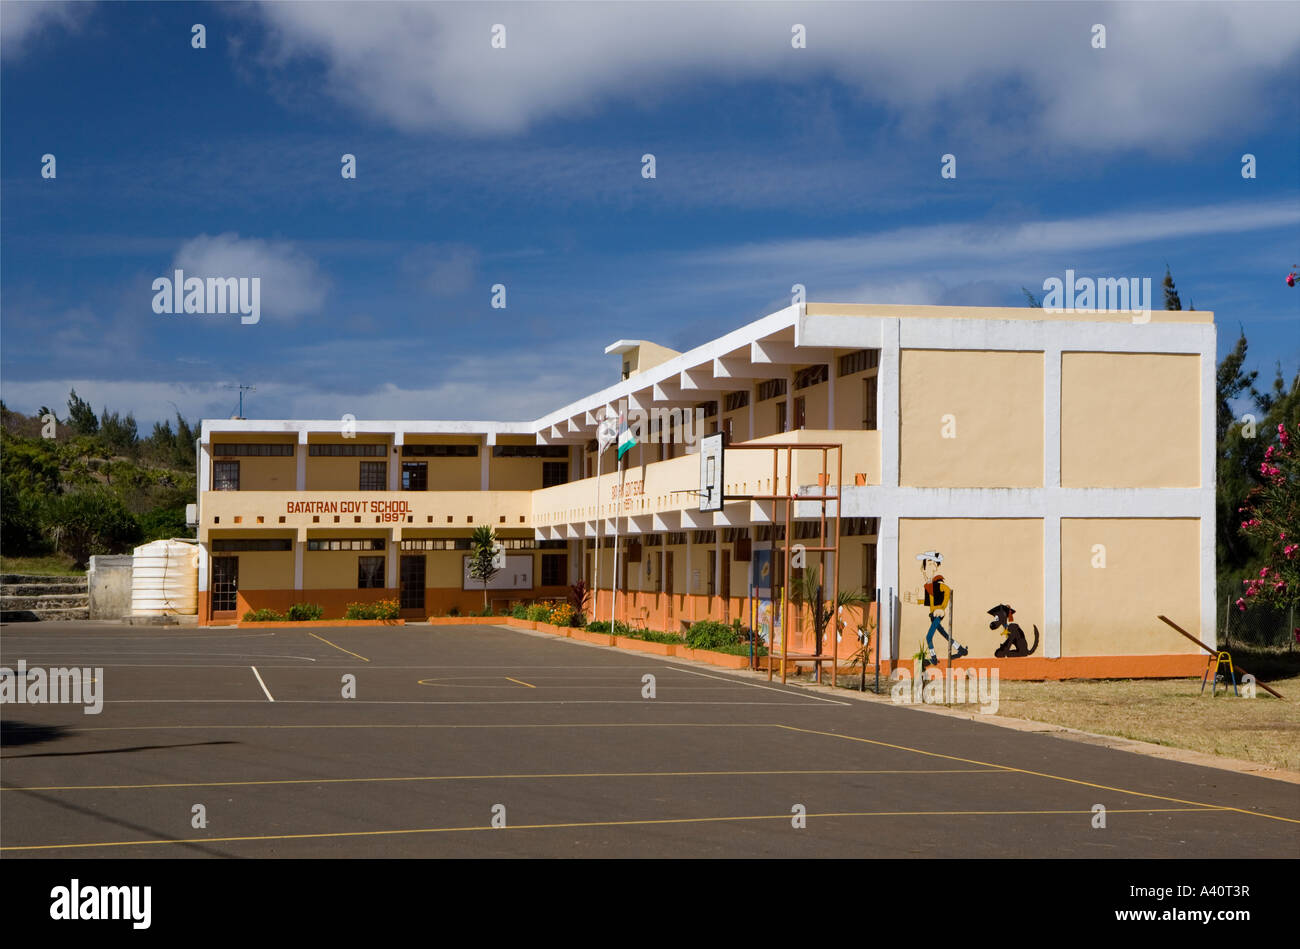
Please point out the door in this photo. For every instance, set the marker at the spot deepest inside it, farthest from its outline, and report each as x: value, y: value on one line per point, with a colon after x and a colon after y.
x: 412, y: 582
x: 225, y: 584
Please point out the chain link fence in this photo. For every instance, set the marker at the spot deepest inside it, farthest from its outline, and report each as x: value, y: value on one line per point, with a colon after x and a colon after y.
x: 1257, y: 625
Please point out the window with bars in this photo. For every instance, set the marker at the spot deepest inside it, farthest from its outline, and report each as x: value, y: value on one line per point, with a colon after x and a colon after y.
x: 415, y: 475
x: 370, y: 573
x: 859, y: 361
x: 347, y: 543
x: 710, y: 408
x: 706, y: 537
x: 811, y: 376
x: 554, y: 472
x: 530, y: 451
x: 553, y: 570
x: 348, y: 450
x: 251, y: 544
x: 374, y: 476
x: 675, y: 538
x: 859, y: 526
x: 225, y: 476
x: 440, y: 451
x: 770, y: 389
x: 735, y: 400
x: 277, y: 450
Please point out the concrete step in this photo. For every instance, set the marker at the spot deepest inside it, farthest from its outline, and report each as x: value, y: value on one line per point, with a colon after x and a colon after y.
x: 38, y: 589
x: 7, y: 578
x: 31, y: 616
x: 46, y: 601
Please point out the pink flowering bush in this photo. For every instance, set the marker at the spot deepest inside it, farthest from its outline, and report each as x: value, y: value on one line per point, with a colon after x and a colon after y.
x: 1272, y: 518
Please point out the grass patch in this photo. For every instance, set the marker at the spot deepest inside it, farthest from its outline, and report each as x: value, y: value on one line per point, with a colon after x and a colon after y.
x: 1170, y: 712
x: 53, y: 565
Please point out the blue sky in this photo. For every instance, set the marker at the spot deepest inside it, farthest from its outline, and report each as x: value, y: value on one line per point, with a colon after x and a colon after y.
x: 522, y: 166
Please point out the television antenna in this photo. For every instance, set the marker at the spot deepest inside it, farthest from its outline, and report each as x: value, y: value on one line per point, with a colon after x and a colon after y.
x: 241, y: 389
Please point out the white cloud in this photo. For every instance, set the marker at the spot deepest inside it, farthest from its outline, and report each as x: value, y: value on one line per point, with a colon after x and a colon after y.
x: 292, y: 283
x: 20, y: 23
x: 1171, y: 73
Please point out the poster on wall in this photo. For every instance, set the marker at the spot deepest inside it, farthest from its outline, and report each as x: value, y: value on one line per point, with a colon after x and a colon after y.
x: 766, y: 618
x: 516, y: 575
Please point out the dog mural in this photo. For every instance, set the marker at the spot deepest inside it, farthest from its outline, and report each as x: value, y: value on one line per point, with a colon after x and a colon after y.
x: 1015, y: 643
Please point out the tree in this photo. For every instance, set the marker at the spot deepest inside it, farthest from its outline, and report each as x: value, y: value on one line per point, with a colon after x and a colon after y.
x: 1033, y: 300
x: 1271, y: 517
x: 90, y: 522
x: 118, y: 432
x: 81, y: 417
x: 807, y: 590
x: 484, y: 560
x: 1172, y: 302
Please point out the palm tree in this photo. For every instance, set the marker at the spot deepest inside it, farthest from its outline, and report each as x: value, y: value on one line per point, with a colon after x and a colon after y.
x: 807, y: 590
x: 482, y: 565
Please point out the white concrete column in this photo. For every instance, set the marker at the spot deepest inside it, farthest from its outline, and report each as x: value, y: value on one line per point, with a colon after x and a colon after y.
x: 484, y: 461
x: 1052, y: 585
x: 887, y: 577
x: 299, y: 552
x: 887, y: 408
x: 205, y: 471
x: 300, y: 476
x: 393, y: 548
x: 395, y: 462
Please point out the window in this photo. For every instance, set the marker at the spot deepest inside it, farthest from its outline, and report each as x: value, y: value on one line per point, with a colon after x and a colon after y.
x: 869, y: 404
x: 554, y: 472
x: 869, y: 569
x: 553, y: 570
x: 251, y: 544
x: 226, y: 476
x: 712, y: 586
x: 254, y: 451
x: 531, y: 451
x: 860, y: 361
x: 781, y: 418
x: 349, y: 450
x: 859, y: 526
x: 225, y: 584
x: 440, y: 451
x: 727, y: 428
x: 347, y: 543
x: 710, y: 408
x: 736, y: 400
x: 415, y: 475
x: 813, y: 375
x: 770, y: 389
x: 374, y: 475
x: 800, y: 412
x: 370, y: 573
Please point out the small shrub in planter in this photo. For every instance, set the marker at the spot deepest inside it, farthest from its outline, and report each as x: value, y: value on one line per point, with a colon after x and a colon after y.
x: 597, y: 626
x: 380, y: 609
x: 710, y: 634
x: 305, y: 612
x: 562, y: 615
x: 264, y: 616
x: 454, y: 611
x: 520, y: 611
x: 539, y: 613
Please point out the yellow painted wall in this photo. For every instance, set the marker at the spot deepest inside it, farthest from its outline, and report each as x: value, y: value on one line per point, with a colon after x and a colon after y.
x: 986, y: 561
x: 1152, y: 567
x: 850, y: 400
x: 739, y: 424
x: 1130, y: 420
x: 334, y: 569
x: 815, y: 405
x: 262, y: 474
x: 264, y: 569
x: 514, y: 474
x: 996, y: 399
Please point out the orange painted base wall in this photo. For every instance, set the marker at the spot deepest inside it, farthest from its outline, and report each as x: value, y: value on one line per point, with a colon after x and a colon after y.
x: 1073, y: 667
x: 437, y: 601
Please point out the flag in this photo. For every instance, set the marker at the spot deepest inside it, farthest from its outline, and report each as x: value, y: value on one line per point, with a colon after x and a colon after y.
x: 625, y: 437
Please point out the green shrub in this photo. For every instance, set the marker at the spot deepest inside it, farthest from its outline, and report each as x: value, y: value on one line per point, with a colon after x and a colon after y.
x: 454, y: 611
x: 654, y: 636
x: 380, y: 609
x: 539, y: 613
x: 519, y: 611
x: 710, y: 634
x: 597, y: 626
x: 305, y: 612
x: 264, y: 616
x: 742, y: 649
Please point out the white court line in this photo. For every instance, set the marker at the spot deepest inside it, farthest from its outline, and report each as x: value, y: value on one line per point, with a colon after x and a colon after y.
x: 269, y: 697
x: 645, y: 702
x: 755, y: 685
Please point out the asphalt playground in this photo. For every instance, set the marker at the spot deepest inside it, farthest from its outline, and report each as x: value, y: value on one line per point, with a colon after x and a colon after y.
x: 484, y: 741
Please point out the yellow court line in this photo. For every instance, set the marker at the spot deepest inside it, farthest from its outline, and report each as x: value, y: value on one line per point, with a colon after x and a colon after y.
x: 145, y: 728
x: 521, y: 683
x: 602, y: 823
x: 338, y: 647
x: 1042, y: 774
x: 490, y: 777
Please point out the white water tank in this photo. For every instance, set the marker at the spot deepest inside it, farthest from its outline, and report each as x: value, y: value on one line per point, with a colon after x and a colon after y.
x: 165, y: 579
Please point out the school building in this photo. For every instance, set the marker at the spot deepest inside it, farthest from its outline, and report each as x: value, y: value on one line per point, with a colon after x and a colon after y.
x: 1061, y: 463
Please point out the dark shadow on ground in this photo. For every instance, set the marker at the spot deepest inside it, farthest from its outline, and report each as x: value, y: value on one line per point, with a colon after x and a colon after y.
x: 117, y: 751
x: 13, y: 734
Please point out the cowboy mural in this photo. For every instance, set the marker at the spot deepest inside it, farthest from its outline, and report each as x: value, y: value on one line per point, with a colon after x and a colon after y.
x: 937, y: 597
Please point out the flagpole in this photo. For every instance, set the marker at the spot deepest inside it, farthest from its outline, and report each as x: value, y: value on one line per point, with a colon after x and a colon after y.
x: 600, y: 450
x: 613, y: 583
